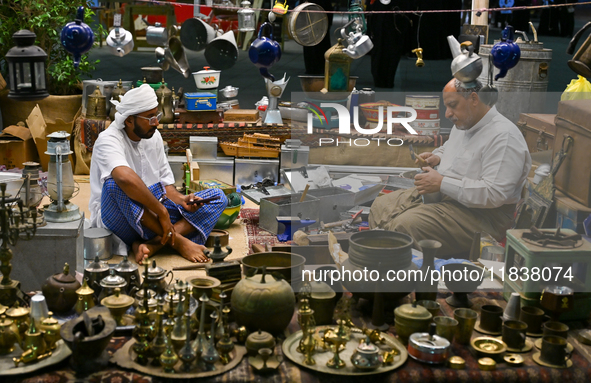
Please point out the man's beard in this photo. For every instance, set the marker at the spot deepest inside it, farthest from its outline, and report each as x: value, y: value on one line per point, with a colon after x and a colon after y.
x: 138, y: 131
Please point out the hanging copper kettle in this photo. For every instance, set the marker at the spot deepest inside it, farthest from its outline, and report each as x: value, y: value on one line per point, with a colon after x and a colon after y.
x: 581, y: 62
x: 96, y: 106
x: 164, y: 96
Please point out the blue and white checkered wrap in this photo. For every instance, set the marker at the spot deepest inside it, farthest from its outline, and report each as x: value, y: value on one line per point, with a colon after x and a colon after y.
x: 122, y: 215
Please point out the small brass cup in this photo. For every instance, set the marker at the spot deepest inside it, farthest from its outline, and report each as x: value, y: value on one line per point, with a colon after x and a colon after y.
x: 491, y: 318
x: 533, y: 316
x: 514, y: 334
x: 555, y: 329
x: 554, y: 350
x: 446, y: 327
x: 466, y: 320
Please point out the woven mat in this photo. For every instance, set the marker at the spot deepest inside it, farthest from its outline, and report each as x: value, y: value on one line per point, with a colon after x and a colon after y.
x: 252, y: 231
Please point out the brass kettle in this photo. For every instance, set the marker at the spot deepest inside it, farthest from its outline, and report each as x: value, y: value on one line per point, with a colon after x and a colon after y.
x: 60, y: 291
x: 118, y: 92
x: 581, y: 62
x: 164, y: 96
x: 96, y: 106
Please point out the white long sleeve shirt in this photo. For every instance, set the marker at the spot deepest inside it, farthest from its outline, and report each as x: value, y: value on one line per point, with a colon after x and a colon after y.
x: 485, y: 166
x: 112, y: 149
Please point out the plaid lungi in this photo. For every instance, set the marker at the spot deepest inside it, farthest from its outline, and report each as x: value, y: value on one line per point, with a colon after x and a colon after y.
x: 122, y: 215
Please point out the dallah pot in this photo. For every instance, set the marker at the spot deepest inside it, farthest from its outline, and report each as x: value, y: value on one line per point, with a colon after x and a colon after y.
x: 129, y: 271
x: 156, y: 278
x: 60, y: 291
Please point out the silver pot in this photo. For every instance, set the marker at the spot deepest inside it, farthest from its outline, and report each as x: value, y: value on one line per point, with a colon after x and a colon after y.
x: 229, y: 91
x: 97, y: 243
x: 120, y: 41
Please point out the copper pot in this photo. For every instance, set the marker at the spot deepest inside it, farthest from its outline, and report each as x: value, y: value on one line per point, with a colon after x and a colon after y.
x: 60, y: 291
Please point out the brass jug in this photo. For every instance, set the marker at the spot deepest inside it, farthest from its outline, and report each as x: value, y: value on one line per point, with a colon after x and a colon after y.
x: 85, y: 298
x: 165, y: 104
x: 581, y: 62
x: 337, y: 66
x: 96, y: 106
x: 118, y: 92
x: 9, y: 335
x: 51, y: 331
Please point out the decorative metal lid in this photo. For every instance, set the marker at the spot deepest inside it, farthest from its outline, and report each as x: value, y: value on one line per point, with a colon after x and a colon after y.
x: 432, y: 344
x: 84, y: 289
x: 117, y: 300
x: 457, y: 363
x: 125, y: 266
x: 412, y: 311
x: 259, y: 338
x: 97, y: 266
x: 65, y: 276
x: 16, y: 311
x: 5, y: 322
x: 366, y: 347
x: 50, y: 320
x: 156, y: 271
x: 113, y: 280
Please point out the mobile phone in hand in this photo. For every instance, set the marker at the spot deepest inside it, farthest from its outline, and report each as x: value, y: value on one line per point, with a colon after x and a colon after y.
x: 205, y: 200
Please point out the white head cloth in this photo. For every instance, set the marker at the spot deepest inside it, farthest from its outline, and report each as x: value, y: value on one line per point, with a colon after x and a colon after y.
x: 135, y: 101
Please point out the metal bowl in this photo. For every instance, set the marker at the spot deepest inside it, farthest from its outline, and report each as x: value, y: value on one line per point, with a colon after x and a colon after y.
x: 488, y: 347
x: 229, y: 91
x: 312, y: 85
x: 289, y: 265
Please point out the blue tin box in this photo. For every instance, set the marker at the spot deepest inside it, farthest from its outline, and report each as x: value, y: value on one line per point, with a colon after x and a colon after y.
x: 200, y: 101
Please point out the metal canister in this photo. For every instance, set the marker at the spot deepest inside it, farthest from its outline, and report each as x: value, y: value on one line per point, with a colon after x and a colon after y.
x: 96, y: 106
x: 428, y: 347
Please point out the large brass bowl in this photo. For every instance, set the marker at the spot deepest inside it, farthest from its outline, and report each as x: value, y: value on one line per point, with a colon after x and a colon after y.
x: 312, y: 85
x: 289, y: 265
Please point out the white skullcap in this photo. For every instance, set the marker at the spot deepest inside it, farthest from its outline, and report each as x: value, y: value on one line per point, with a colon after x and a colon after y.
x: 135, y: 101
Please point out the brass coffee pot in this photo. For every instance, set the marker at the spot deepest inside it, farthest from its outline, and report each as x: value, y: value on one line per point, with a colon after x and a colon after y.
x: 85, y: 298
x: 96, y: 106
x: 8, y: 335
x: 51, y: 331
x: 20, y: 316
x: 118, y: 92
x: 581, y: 62
x: 165, y: 104
x: 94, y: 273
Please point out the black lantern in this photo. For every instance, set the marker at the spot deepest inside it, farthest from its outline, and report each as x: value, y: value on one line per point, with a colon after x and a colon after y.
x: 26, y: 68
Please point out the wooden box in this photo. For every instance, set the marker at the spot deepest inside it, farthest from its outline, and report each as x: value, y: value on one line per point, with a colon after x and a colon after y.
x: 538, y: 130
x: 573, y: 178
x: 242, y: 115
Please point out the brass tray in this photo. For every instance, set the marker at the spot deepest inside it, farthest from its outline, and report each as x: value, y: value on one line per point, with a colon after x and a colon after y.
x: 291, y: 343
x: 125, y: 355
x: 7, y: 367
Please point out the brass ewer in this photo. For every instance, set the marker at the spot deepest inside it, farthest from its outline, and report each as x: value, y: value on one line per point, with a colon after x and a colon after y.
x: 165, y: 104
x: 118, y: 92
x: 96, y: 106
x: 8, y: 336
x: 51, y: 331
x: 85, y: 298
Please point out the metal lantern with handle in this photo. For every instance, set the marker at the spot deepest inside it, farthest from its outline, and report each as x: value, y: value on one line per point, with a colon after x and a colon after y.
x: 246, y: 18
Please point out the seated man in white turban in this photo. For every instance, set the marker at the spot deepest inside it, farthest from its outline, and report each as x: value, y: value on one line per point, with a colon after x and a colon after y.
x: 132, y: 191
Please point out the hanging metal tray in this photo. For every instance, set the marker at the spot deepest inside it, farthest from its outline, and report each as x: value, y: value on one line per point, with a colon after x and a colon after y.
x: 125, y: 355
x: 291, y: 343
x: 7, y: 367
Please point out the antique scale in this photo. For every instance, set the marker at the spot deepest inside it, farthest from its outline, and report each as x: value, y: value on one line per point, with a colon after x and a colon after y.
x: 548, y: 250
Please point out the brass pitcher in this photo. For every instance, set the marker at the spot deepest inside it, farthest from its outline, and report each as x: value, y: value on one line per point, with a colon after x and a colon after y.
x: 165, y: 104
x: 96, y: 106
x: 9, y: 336
x: 581, y: 62
x: 85, y: 298
x: 118, y: 92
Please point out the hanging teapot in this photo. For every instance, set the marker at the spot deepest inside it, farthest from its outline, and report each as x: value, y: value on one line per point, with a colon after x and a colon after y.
x: 264, y: 52
x: 581, y: 62
x: 77, y: 37
x: 60, y: 291
x: 120, y: 41
x: 466, y: 65
x: 164, y: 96
x: 505, y: 53
x: 358, y: 43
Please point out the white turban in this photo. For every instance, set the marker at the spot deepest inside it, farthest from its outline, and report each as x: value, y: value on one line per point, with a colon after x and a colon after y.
x: 133, y: 102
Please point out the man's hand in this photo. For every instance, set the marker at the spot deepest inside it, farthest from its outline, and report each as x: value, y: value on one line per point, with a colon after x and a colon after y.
x: 168, y: 231
x: 432, y: 159
x: 188, y: 203
x: 429, y: 182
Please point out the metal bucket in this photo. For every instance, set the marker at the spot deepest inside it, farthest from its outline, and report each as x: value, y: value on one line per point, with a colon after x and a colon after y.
x: 97, y: 243
x: 523, y: 90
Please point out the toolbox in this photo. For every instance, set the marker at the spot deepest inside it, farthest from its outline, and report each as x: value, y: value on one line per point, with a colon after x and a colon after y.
x: 197, y: 101
x: 574, y: 175
x: 221, y: 169
x: 248, y: 171
x: 538, y: 130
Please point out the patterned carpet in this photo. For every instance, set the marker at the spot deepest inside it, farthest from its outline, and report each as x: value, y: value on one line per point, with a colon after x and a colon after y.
x: 254, y: 234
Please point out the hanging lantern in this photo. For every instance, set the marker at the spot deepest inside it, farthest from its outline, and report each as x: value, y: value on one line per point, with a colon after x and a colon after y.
x: 60, y: 180
x: 246, y: 18
x: 26, y: 68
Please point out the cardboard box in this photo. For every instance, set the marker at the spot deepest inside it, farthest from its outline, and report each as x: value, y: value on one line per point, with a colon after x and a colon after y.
x: 17, y: 146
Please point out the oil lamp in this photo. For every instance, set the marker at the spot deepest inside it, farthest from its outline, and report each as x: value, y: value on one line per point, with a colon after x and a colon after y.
x: 246, y: 18
x: 32, y: 194
x: 60, y: 180
x: 26, y: 68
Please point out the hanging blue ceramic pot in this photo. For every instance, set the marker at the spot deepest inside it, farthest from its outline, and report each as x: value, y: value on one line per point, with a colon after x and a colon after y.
x: 77, y: 37
x: 505, y: 53
x: 264, y: 52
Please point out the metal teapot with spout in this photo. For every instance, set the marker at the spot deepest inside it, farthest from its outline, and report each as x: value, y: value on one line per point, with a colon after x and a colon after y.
x: 119, y: 41
x: 358, y: 43
x: 129, y: 271
x: 466, y: 65
x: 164, y: 96
x: 264, y: 52
x: 581, y: 62
x: 77, y: 37
x: 60, y: 291
x: 506, y: 53
x: 156, y: 278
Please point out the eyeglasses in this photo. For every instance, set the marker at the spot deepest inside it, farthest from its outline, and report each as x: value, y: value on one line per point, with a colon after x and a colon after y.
x: 154, y: 120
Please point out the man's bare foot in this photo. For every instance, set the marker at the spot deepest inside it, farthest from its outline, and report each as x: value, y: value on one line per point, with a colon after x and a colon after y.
x: 190, y: 250
x: 145, y: 249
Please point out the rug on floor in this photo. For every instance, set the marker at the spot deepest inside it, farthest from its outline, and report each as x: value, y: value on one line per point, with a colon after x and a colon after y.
x: 254, y: 234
